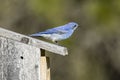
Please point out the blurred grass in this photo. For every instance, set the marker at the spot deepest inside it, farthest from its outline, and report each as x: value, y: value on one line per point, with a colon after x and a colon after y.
x: 52, y: 9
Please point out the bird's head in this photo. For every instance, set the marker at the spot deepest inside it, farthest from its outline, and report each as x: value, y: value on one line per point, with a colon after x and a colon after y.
x: 73, y: 25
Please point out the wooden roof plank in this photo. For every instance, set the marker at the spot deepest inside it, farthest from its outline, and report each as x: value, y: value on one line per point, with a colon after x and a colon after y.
x: 34, y: 42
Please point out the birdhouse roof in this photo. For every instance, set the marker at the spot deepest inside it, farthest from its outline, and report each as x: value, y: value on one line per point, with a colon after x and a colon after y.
x: 34, y: 42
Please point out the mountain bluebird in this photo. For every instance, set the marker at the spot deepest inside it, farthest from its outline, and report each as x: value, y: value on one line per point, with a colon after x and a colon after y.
x: 59, y: 33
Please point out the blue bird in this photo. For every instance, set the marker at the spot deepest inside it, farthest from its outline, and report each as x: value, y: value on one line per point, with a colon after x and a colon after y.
x: 59, y: 33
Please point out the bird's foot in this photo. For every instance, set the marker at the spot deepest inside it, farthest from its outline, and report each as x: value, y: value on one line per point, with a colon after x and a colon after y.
x: 56, y: 42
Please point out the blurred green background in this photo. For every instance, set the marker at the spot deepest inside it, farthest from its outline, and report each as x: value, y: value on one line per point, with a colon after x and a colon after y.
x: 94, y: 48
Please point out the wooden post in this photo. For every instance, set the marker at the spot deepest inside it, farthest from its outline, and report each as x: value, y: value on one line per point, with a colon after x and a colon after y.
x: 23, y: 57
x: 45, y: 68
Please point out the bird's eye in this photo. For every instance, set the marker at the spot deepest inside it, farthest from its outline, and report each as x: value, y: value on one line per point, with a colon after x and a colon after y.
x: 74, y: 26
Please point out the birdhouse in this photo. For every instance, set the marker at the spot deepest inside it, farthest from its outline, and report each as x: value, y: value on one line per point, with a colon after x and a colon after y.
x: 23, y: 57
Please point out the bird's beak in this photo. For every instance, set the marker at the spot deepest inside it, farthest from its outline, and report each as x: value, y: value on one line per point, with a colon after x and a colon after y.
x: 75, y: 28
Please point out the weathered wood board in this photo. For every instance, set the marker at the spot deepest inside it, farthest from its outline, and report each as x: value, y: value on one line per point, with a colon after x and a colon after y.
x: 34, y: 42
x: 18, y: 61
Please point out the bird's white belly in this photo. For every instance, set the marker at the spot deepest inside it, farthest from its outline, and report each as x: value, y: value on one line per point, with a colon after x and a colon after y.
x: 53, y: 37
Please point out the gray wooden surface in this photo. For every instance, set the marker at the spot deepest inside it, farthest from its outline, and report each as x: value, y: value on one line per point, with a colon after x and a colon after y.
x: 34, y: 42
x: 18, y: 61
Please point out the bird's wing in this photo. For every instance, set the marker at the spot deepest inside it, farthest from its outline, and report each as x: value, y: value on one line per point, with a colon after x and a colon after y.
x: 55, y: 30
x: 50, y: 31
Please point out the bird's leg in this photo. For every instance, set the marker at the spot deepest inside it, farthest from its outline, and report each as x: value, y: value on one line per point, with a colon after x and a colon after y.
x: 56, y: 42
